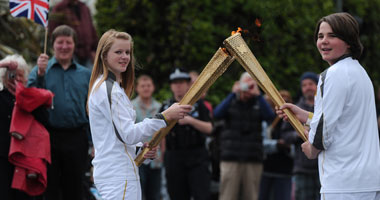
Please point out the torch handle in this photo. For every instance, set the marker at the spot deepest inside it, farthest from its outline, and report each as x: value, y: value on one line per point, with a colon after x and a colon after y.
x: 215, y: 68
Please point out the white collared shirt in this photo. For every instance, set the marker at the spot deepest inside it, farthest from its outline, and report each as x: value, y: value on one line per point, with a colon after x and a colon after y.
x: 351, y: 159
x: 113, y: 160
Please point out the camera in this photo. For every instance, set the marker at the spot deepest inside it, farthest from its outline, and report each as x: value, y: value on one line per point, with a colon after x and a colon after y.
x: 12, y: 75
x: 245, y: 87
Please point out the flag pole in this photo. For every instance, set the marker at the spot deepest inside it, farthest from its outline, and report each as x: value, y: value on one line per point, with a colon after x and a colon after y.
x: 45, y: 43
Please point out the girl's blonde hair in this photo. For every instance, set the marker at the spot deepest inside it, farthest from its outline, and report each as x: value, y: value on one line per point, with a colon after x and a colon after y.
x: 101, y: 67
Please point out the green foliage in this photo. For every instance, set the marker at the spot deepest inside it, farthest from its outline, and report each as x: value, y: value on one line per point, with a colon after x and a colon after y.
x: 367, y: 13
x: 19, y: 35
x: 187, y: 33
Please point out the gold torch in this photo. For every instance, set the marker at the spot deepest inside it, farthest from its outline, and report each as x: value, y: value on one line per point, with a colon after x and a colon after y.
x: 215, y: 68
x: 236, y: 45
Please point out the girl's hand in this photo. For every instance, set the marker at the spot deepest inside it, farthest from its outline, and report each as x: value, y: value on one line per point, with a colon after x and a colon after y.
x: 176, y: 111
x: 301, y: 114
x: 310, y: 151
x: 152, y: 154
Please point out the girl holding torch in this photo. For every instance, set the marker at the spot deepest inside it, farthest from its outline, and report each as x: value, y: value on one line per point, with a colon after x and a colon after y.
x: 343, y: 130
x: 112, y: 118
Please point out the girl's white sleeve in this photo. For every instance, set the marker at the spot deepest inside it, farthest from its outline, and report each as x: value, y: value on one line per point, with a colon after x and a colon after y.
x: 123, y: 116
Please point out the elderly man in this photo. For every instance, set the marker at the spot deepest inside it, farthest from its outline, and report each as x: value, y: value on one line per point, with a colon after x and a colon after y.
x: 68, y: 121
x: 242, y: 154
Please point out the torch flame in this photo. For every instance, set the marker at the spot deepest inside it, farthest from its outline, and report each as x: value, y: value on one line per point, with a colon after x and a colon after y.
x: 239, y: 30
x: 257, y: 22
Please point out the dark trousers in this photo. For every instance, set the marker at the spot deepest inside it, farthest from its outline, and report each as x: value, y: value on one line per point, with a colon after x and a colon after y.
x: 187, y: 174
x: 275, y: 188
x: 69, y: 150
x: 150, y: 180
x: 307, y: 186
x: 6, y: 177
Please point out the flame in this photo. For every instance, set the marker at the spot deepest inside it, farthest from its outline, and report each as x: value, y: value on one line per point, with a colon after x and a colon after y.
x: 257, y: 22
x: 239, y: 30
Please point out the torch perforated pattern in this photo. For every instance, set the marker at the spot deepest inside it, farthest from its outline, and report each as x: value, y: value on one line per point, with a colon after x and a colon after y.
x: 237, y: 47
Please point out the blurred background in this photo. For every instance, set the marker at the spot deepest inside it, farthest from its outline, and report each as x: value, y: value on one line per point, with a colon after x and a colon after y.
x: 186, y: 33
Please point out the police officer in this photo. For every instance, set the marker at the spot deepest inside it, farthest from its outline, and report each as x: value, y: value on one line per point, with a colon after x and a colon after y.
x: 186, y: 158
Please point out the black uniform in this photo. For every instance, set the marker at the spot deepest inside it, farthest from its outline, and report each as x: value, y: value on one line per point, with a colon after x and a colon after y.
x: 186, y: 158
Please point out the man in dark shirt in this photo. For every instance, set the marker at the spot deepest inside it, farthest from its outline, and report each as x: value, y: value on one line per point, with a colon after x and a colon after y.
x: 68, y: 121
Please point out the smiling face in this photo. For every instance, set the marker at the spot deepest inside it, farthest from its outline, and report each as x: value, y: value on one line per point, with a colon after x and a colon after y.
x: 329, y: 45
x: 119, y: 56
x: 64, y: 48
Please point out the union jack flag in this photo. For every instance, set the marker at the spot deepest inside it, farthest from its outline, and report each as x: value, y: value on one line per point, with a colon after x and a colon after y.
x: 36, y: 10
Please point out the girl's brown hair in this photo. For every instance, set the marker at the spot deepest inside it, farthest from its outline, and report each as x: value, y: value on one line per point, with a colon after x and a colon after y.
x: 101, y: 67
x: 346, y: 28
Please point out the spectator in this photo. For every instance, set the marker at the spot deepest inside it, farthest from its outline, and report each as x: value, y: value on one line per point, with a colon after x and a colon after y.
x: 276, y: 180
x: 147, y: 107
x: 13, y: 69
x: 242, y: 149
x: 305, y: 171
x: 77, y: 15
x: 343, y: 130
x: 68, y: 122
x: 186, y: 158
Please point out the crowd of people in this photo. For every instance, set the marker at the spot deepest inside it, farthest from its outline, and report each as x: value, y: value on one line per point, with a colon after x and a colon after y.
x: 96, y: 126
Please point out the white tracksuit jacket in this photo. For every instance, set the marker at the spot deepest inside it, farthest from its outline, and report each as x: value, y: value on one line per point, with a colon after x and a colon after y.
x: 115, y: 173
x: 348, y: 130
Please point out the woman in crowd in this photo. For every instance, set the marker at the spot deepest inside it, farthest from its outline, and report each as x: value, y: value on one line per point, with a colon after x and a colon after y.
x: 13, y: 68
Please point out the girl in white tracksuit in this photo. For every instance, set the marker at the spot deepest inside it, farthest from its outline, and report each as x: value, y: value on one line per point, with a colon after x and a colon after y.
x: 343, y: 130
x: 112, y: 119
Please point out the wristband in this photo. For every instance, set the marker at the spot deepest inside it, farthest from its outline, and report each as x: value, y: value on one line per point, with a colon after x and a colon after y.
x: 308, y: 121
x: 161, y: 116
x: 164, y: 117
